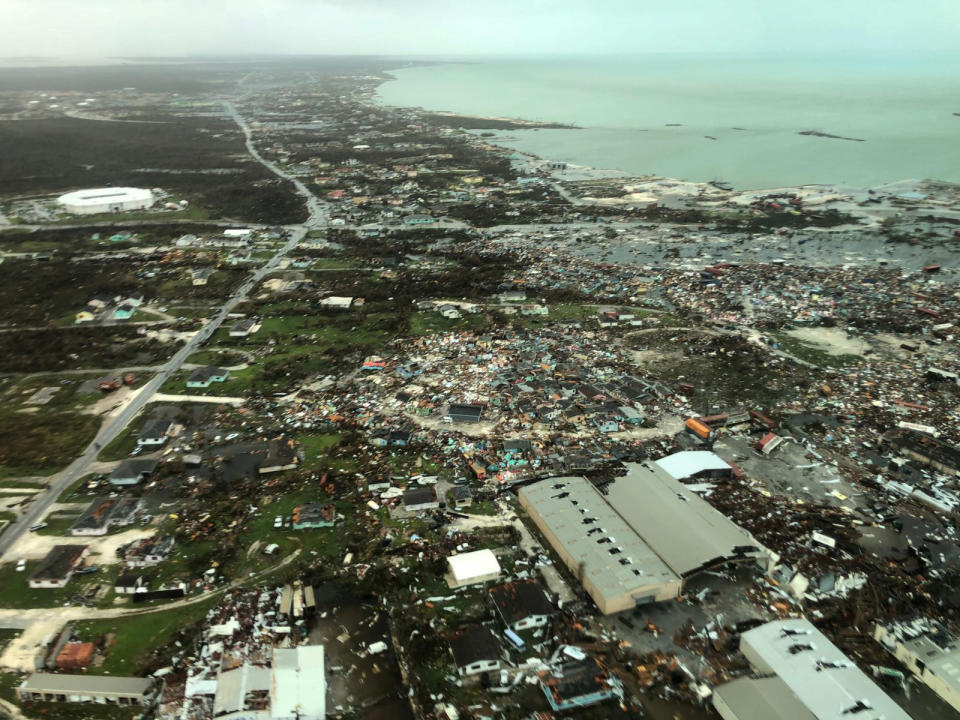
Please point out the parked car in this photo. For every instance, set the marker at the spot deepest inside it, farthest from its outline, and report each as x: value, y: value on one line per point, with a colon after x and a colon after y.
x: 278, y: 521
x: 21, y: 564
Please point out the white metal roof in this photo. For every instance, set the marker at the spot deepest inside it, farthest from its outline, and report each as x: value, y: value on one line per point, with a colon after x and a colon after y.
x: 473, y: 564
x: 690, y: 462
x: 85, y: 684
x: 298, y: 688
x: 99, y: 196
x: 825, y: 680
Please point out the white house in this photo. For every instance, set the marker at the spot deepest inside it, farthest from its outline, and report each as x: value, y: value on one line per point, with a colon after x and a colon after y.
x: 472, y: 568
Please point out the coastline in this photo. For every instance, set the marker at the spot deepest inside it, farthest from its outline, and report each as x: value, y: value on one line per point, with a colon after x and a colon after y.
x: 817, y: 146
x: 649, y: 185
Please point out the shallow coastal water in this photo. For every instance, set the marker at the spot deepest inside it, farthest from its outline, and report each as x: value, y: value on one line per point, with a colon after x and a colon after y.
x: 657, y: 114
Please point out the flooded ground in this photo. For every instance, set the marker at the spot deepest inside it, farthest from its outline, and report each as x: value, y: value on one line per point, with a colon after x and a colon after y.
x: 368, y: 687
x: 853, y: 246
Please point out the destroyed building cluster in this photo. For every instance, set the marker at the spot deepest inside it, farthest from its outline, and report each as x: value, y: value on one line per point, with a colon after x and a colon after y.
x: 475, y: 435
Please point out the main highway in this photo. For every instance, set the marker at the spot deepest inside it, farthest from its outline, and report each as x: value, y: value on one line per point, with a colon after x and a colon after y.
x: 116, y: 425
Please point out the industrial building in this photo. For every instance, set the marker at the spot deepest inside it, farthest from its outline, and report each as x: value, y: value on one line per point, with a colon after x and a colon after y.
x: 101, y: 689
x: 769, y: 698
x: 105, y: 200
x: 293, y: 688
x: 924, y: 449
x: 930, y: 653
x: 637, y: 543
x: 806, y: 678
x: 688, y: 533
x: 616, y: 567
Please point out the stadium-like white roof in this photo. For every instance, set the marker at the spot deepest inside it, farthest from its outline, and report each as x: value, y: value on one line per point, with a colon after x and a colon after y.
x: 110, y: 195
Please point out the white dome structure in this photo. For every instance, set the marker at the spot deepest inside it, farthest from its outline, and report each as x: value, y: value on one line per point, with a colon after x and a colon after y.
x: 105, y: 200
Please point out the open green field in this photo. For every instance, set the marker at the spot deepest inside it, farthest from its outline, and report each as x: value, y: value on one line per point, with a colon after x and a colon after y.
x: 292, y: 348
x: 136, y: 635
x: 429, y: 322
x: 16, y: 593
x: 811, y: 353
x: 44, y: 440
x: 316, y: 448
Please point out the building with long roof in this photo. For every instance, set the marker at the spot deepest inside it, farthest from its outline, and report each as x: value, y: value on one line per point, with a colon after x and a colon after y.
x: 637, y: 542
x: 688, y: 533
x: 816, y: 680
x: 616, y: 567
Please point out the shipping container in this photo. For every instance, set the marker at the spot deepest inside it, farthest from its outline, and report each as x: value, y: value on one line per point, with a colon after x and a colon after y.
x: 698, y: 428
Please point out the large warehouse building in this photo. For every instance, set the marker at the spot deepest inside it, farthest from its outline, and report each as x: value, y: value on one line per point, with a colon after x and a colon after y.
x: 807, y: 678
x: 616, y: 567
x: 684, y: 529
x: 639, y: 542
x: 105, y: 200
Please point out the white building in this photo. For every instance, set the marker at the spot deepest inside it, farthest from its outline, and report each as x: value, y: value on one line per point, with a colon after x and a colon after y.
x: 472, y: 568
x: 816, y: 680
x: 929, y: 652
x: 106, y: 200
x: 298, y: 688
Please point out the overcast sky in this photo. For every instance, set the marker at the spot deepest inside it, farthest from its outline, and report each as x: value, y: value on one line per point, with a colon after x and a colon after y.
x: 100, y: 28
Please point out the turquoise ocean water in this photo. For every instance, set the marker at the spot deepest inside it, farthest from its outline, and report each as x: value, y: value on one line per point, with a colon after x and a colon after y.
x: 651, y: 115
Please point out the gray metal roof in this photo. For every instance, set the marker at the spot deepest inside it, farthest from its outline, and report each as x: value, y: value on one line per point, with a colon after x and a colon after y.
x: 86, y: 684
x: 683, y: 528
x: 828, y: 683
x: 233, y: 686
x: 761, y: 699
x: 559, y: 502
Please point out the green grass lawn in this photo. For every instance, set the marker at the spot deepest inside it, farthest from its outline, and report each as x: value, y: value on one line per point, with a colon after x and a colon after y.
x: 137, y: 635
x: 6, y: 636
x: 316, y: 448
x: 16, y: 593
x: 305, y: 345
x: 72, y: 494
x: 332, y: 263
x: 222, y: 358
x: 427, y: 323
x: 123, y: 444
x: 42, y: 444
x: 811, y: 353
x: 21, y: 484
x: 237, y: 384
x: 60, y: 525
x: 193, y: 212
x: 8, y: 681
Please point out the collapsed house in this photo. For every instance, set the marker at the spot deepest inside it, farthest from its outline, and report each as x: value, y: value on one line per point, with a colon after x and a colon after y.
x: 930, y: 653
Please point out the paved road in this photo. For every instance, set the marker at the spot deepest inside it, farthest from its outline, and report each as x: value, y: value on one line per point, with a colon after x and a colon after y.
x: 81, y: 466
